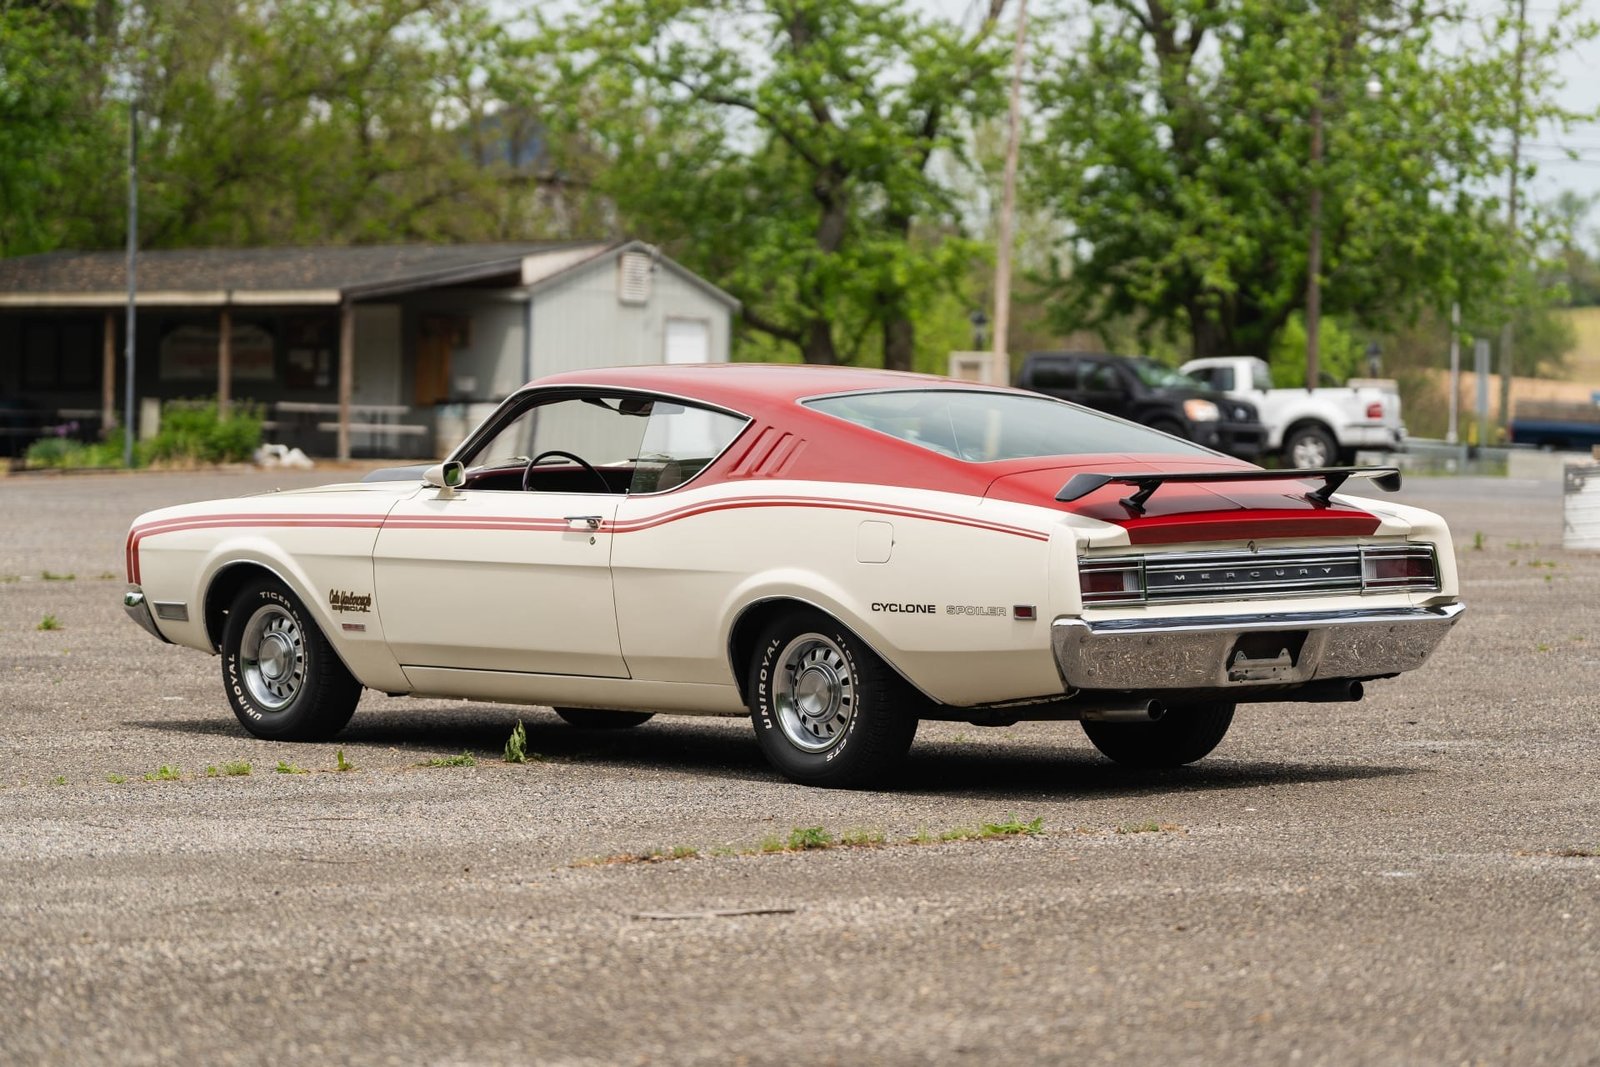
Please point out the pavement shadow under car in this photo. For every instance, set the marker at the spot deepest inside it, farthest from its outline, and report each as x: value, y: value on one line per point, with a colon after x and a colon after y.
x: 724, y: 748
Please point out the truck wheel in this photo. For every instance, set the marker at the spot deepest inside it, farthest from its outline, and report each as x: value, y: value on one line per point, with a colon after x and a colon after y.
x: 282, y: 677
x: 590, y: 719
x: 1187, y: 732
x: 827, y: 711
x: 1309, y: 446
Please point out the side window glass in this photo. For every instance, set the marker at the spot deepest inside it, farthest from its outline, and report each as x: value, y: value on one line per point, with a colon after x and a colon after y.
x: 1100, y: 378
x: 679, y: 442
x: 1055, y: 374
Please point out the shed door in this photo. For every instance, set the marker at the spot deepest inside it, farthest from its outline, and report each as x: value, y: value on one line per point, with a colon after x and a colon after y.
x: 688, y: 341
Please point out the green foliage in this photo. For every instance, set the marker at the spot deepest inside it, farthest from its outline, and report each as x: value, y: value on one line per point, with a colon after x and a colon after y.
x: 236, y: 769
x: 1013, y: 827
x: 1341, y: 355
x: 192, y: 433
x: 164, y: 773
x: 783, y: 149
x: 340, y: 763
x: 116, y: 779
x: 465, y: 759
x: 286, y: 767
x: 517, y: 744
x: 49, y: 622
x: 1179, y: 146
x: 804, y: 837
x: 52, y: 576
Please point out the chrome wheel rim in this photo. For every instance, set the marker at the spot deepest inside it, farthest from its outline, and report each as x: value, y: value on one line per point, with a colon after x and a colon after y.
x: 273, y: 654
x: 814, y: 692
x: 1309, y: 452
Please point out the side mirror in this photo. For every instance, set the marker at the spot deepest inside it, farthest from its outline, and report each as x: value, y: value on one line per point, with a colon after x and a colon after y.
x: 445, y: 476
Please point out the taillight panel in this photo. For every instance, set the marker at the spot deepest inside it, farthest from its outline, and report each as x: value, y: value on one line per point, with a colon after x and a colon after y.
x: 1164, y: 577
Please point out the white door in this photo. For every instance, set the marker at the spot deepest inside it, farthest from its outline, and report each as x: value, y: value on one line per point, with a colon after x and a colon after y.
x: 688, y: 341
x: 500, y: 581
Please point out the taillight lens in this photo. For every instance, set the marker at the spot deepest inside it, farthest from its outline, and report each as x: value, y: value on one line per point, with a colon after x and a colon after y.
x: 1110, y: 581
x: 1402, y: 568
x: 1375, y: 411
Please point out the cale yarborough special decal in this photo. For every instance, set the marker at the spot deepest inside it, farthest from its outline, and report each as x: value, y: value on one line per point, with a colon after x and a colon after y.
x: 339, y: 600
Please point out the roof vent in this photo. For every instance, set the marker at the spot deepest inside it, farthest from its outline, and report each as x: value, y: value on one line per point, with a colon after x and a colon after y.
x: 633, y: 277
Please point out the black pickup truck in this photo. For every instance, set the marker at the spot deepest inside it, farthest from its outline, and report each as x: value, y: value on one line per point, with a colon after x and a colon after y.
x: 1141, y: 390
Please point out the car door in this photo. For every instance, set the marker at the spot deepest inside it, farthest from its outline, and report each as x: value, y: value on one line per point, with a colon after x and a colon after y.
x: 495, y: 576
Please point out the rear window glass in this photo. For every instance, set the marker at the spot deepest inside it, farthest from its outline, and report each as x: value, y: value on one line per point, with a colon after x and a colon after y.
x: 982, y: 426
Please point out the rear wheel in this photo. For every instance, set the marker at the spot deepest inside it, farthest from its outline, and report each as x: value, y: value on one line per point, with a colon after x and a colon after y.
x: 282, y: 677
x: 1187, y: 732
x: 827, y: 711
x: 591, y: 719
x: 1309, y: 446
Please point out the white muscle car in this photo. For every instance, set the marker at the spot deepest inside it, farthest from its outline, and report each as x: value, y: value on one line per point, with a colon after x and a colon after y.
x: 837, y: 553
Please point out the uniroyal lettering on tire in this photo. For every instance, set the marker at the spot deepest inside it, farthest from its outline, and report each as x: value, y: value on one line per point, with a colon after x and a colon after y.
x: 826, y: 710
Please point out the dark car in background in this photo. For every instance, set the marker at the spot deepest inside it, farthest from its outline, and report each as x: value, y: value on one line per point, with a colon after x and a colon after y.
x: 1144, y: 391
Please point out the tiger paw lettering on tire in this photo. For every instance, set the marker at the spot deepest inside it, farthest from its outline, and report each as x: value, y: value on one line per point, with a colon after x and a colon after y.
x: 281, y: 675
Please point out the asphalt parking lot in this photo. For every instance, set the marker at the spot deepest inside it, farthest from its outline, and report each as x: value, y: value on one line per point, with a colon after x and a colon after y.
x: 1411, y: 879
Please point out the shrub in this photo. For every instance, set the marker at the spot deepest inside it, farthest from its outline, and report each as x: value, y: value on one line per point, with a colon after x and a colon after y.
x: 191, y: 433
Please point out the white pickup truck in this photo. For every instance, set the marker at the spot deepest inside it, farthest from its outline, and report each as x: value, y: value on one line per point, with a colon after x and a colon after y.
x: 1309, y: 427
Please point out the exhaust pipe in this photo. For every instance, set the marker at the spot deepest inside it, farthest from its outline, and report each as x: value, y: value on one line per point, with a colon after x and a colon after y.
x: 1332, y: 692
x: 1132, y: 710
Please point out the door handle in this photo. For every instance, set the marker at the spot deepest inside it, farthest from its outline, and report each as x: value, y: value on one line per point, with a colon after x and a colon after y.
x: 583, y: 522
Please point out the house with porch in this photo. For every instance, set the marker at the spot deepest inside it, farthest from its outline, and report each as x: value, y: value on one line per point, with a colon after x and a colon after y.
x: 391, y: 350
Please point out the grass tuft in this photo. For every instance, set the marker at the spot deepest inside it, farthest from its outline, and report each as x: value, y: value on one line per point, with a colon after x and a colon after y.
x: 862, y: 838
x: 1013, y: 827
x: 807, y: 837
x: 342, y: 764
x: 59, y: 779
x: 465, y: 759
x: 52, y: 576
x: 517, y: 744
x: 164, y: 773
x: 236, y: 769
x: 285, y: 767
x: 49, y: 622
x: 114, y: 778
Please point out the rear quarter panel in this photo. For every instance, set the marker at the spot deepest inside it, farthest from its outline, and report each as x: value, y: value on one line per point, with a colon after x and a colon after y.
x: 938, y: 608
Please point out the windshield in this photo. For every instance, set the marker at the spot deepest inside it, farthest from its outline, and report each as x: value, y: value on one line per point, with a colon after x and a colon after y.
x: 1160, y: 376
x: 981, y: 426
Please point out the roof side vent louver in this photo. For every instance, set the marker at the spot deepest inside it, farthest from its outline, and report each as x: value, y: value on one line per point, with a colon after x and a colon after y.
x: 633, y: 278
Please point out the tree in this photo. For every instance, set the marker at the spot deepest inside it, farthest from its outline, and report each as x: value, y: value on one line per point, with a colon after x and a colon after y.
x: 51, y: 125
x: 784, y: 148
x: 1178, y: 141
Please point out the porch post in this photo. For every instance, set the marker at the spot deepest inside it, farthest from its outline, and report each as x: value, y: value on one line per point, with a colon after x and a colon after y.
x: 347, y: 373
x: 108, y: 375
x: 224, y: 362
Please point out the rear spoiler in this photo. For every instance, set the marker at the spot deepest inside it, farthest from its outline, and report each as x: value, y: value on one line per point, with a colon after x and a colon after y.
x: 1081, y: 485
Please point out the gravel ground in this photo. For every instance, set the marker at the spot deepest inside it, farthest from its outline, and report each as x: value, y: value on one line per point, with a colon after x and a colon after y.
x: 1411, y: 879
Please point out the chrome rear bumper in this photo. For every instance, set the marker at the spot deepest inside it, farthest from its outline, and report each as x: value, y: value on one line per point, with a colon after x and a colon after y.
x: 1204, y: 653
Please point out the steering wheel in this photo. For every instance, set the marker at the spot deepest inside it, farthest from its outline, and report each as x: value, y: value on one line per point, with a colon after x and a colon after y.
x: 527, y: 472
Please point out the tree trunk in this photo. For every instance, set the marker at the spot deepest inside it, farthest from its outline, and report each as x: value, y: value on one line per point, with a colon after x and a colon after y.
x: 818, y: 346
x: 899, y: 342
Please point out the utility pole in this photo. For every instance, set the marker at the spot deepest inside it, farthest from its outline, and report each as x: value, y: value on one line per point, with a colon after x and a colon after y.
x: 132, y: 265
x: 1506, y: 338
x: 1314, y: 250
x: 1001, y: 367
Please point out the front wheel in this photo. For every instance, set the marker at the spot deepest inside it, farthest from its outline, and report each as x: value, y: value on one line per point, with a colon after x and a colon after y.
x: 827, y: 711
x: 1187, y: 732
x: 590, y: 719
x: 283, y: 679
